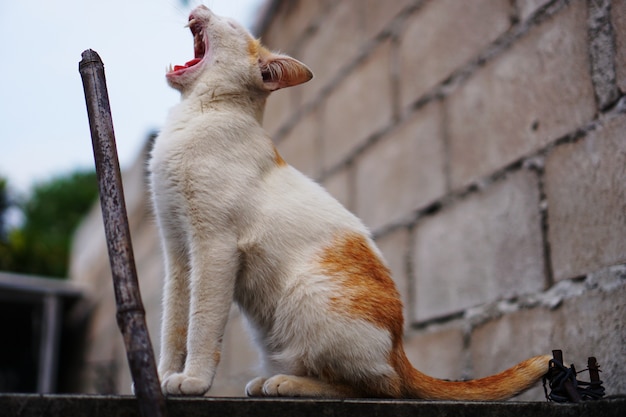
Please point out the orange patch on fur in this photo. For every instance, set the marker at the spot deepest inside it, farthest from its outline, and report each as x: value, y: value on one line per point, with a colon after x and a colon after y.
x: 279, y: 159
x: 367, y: 290
x: 263, y: 51
x: 253, y: 48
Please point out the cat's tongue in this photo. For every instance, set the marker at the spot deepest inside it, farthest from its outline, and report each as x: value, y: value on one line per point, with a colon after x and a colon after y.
x: 187, y: 64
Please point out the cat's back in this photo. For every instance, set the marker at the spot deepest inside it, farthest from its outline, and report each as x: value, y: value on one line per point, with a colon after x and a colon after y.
x: 290, y: 217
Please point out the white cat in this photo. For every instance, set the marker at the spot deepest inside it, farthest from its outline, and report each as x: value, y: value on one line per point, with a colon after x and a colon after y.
x: 238, y: 223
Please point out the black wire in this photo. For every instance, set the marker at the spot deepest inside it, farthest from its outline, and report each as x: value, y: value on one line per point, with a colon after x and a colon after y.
x: 559, y: 374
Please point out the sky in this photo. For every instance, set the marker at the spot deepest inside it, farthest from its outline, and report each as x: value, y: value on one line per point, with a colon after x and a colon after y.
x: 44, y: 130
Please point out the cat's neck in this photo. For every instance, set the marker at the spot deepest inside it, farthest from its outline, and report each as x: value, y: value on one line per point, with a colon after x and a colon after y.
x: 224, y: 99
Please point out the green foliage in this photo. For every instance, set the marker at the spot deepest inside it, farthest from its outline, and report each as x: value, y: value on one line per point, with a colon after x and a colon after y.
x: 4, y: 206
x: 51, y: 214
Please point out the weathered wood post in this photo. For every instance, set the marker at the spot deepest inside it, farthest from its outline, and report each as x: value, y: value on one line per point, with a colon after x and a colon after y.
x: 130, y: 312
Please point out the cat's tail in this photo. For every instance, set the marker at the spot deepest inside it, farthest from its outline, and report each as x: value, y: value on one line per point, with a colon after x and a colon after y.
x: 501, y: 386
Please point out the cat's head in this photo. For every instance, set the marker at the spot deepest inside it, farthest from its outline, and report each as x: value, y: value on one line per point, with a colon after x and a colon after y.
x: 228, y: 58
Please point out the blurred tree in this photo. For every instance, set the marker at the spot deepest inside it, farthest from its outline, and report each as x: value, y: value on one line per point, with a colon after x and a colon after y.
x: 4, y: 206
x: 51, y: 214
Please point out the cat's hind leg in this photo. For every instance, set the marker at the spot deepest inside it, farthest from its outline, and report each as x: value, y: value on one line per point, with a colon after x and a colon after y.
x: 298, y: 386
x: 254, y: 388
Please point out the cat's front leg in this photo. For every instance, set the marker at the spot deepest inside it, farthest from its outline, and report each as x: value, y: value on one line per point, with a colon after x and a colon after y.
x: 214, y: 265
x: 175, y: 318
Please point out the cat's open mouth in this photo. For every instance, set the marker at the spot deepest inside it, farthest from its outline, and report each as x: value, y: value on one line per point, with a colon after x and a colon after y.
x: 199, y: 46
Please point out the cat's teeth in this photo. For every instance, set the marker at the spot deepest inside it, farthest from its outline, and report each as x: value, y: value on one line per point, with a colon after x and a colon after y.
x: 191, y: 22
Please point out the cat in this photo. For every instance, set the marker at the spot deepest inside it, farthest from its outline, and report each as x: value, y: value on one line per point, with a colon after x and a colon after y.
x: 237, y: 223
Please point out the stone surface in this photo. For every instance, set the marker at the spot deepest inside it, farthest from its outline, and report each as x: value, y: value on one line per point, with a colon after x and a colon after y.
x: 593, y: 325
x: 484, y: 248
x: 403, y: 171
x: 618, y: 21
x: 300, y: 147
x: 337, y: 42
x: 533, y: 93
x: 586, y: 325
x: 602, y: 52
x: 443, y: 36
x: 239, y: 362
x: 359, y: 106
x: 586, y: 192
x: 339, y: 186
x: 502, y: 343
x: 526, y: 8
x: 438, y: 353
x: 379, y: 14
x: 67, y: 405
x: 278, y: 110
x: 295, y: 18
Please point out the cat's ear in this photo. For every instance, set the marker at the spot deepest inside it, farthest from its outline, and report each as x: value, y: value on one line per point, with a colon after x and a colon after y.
x: 280, y: 71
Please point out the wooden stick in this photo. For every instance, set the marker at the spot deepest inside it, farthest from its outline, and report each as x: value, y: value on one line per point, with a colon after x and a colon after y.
x: 594, y: 369
x: 130, y: 311
x: 573, y: 395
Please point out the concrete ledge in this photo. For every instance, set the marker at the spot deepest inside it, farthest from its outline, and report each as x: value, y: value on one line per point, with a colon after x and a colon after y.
x: 30, y: 405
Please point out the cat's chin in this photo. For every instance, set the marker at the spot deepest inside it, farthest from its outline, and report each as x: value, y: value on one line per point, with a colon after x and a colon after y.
x: 182, y: 75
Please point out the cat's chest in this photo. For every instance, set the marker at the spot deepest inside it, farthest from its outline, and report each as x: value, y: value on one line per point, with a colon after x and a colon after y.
x: 193, y: 163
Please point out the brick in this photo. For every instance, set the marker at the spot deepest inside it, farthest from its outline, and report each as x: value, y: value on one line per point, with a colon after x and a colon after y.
x: 293, y: 19
x: 150, y: 273
x: 336, y: 43
x: 504, y: 342
x: 526, y: 8
x: 444, y: 35
x: 594, y: 325
x: 602, y: 53
x: 536, y: 91
x: 359, y: 106
x: 274, y: 36
x: 586, y: 199
x: 339, y: 186
x: 588, y: 325
x: 240, y: 359
x: 403, y: 171
x: 437, y: 353
x: 484, y: 248
x: 618, y: 21
x: 300, y: 148
x: 346, y: 26
x: 378, y: 14
x: 394, y: 247
x: 279, y: 109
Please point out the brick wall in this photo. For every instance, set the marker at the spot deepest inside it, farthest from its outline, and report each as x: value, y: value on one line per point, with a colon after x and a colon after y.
x: 484, y: 144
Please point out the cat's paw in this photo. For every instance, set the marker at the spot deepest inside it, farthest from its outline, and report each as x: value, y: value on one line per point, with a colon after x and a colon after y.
x: 281, y: 386
x: 254, y: 388
x: 181, y: 384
